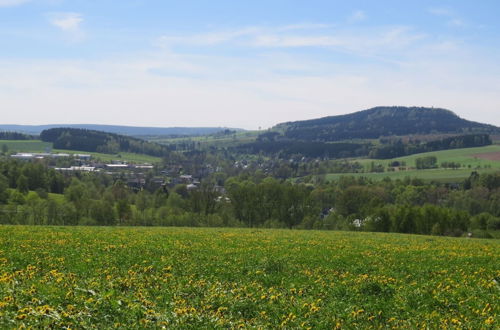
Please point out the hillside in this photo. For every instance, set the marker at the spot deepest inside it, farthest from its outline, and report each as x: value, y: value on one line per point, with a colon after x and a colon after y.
x: 116, y: 129
x: 97, y: 141
x: 382, y: 121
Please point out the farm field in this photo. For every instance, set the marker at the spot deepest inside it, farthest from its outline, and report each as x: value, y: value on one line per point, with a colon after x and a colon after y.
x: 40, y: 146
x: 102, y: 277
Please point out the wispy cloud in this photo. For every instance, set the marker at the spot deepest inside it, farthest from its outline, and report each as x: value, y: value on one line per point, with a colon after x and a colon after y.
x: 393, y: 37
x: 69, y: 23
x: 305, y: 26
x: 12, y: 3
x: 204, y: 39
x: 357, y: 16
x: 452, y: 18
x: 363, y: 41
x: 441, y: 11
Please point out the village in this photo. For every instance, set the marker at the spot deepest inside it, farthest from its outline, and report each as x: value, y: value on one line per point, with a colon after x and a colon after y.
x: 138, y: 176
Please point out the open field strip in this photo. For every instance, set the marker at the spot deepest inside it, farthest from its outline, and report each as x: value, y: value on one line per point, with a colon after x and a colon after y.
x: 213, y: 278
x: 40, y: 146
x: 122, y: 156
x: 26, y: 145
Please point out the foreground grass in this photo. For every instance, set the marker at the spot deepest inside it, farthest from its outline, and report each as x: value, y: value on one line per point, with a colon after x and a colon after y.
x: 192, y: 278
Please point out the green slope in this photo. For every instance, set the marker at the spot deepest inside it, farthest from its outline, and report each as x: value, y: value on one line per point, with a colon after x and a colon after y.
x: 40, y: 146
x: 467, y: 157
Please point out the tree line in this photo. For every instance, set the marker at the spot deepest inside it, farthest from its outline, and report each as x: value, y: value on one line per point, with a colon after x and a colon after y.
x: 400, y: 149
x: 15, y: 136
x: 31, y: 193
x: 103, y: 142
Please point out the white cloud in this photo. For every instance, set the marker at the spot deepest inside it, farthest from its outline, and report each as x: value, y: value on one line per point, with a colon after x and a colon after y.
x: 205, y: 39
x: 441, y: 11
x: 362, y: 41
x: 12, y: 3
x: 456, y: 22
x: 305, y: 26
x: 357, y: 16
x: 452, y: 19
x: 69, y: 23
x: 238, y: 92
x: 192, y: 88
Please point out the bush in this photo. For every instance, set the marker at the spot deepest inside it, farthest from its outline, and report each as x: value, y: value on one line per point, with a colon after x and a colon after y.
x: 493, y: 223
x: 480, y: 221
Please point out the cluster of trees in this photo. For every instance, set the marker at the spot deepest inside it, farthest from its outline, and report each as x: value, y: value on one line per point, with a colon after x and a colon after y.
x: 399, y: 149
x: 31, y: 193
x: 424, y: 163
x: 288, y: 148
x: 15, y: 136
x: 96, y: 141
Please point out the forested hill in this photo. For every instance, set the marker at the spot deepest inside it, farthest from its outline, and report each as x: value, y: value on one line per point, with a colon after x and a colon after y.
x: 96, y: 141
x: 382, y: 121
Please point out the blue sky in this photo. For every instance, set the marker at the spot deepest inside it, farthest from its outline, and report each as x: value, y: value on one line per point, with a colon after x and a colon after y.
x: 243, y: 63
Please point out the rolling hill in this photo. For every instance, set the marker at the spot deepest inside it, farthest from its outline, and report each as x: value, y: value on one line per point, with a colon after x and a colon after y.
x: 382, y: 121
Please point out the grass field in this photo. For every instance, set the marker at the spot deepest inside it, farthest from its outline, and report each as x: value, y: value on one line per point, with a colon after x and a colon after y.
x: 26, y: 146
x: 122, y: 156
x: 220, y: 141
x: 84, y: 277
x: 40, y: 146
x: 466, y: 157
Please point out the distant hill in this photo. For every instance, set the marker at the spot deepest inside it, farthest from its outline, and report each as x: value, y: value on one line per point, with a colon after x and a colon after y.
x: 124, y: 130
x: 382, y: 121
x: 98, y: 141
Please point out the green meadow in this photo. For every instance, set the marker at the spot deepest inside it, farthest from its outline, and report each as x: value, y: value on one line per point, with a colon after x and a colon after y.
x: 102, y: 277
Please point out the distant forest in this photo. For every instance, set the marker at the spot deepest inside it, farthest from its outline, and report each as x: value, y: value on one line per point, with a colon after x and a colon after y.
x: 382, y: 121
x: 15, y: 136
x: 96, y: 141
